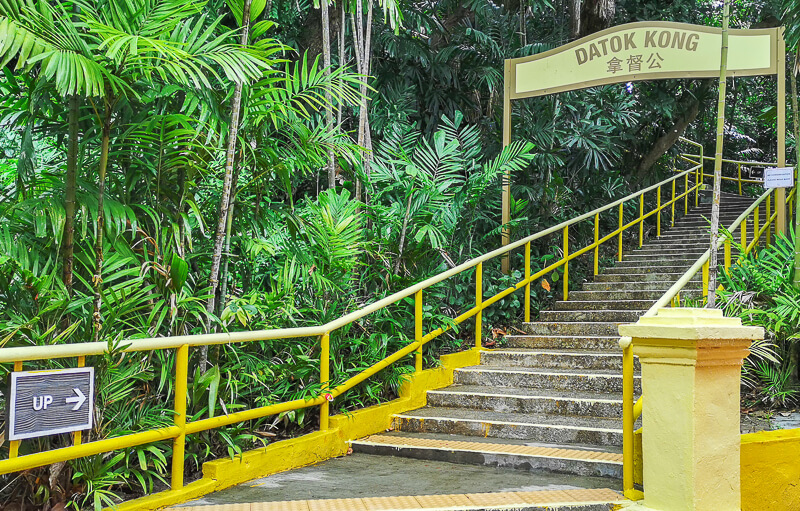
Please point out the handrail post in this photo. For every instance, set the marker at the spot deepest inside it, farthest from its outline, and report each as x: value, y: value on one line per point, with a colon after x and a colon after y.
x: 596, y: 244
x: 13, y: 445
x: 479, y: 305
x: 739, y: 169
x: 627, y: 415
x: 672, y: 222
x: 658, y: 215
x: 743, y: 227
x: 686, y: 194
x: 566, y: 263
x: 756, y: 222
x: 418, y: 329
x: 641, y: 220
x: 179, y: 419
x: 769, y: 219
x: 705, y: 279
x: 727, y: 255
x: 77, y: 437
x: 697, y: 183
x: 324, y: 378
x: 527, y: 282
x: 619, y: 240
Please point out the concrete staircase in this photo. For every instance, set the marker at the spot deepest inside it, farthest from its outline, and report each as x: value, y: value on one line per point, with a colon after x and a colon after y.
x: 551, y: 399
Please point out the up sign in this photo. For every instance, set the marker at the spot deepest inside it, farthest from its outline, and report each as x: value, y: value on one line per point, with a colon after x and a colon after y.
x: 49, y: 402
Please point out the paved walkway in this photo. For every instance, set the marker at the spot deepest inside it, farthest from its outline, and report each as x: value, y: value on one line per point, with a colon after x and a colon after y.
x: 373, y: 483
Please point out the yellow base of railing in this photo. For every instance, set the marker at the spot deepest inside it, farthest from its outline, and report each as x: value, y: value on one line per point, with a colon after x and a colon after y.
x: 314, y: 447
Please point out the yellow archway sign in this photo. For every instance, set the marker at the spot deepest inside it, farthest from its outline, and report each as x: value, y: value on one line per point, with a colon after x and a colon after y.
x: 646, y: 51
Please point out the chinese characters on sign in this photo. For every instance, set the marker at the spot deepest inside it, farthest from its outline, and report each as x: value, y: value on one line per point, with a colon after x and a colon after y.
x: 635, y: 63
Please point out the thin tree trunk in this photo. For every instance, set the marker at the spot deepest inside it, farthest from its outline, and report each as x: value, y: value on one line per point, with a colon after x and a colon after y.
x: 364, y: 104
x: 796, y: 122
x: 326, y: 60
x: 69, y: 195
x: 342, y: 30
x: 723, y: 72
x: 227, y: 185
x: 403, y: 236
x: 227, y: 252
x: 358, y: 38
x: 97, y: 279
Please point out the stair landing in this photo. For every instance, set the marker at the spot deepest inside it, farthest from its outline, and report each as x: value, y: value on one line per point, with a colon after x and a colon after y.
x: 364, y: 482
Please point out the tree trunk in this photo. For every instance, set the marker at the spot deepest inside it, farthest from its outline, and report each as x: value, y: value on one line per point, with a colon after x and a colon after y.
x: 691, y: 110
x: 228, y: 229
x: 69, y: 195
x: 342, y: 30
x: 403, y: 235
x: 723, y: 72
x: 793, y: 80
x: 97, y: 279
x: 596, y: 15
x: 227, y: 185
x: 326, y: 60
x: 574, y: 19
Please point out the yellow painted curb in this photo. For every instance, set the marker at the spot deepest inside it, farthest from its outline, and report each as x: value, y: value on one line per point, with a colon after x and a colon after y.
x: 314, y: 447
x: 500, y: 500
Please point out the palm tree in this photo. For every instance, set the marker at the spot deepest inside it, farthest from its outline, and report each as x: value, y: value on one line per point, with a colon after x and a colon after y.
x: 116, y: 49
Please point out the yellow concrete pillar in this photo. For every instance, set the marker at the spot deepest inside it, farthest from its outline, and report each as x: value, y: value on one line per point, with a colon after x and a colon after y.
x: 691, y: 360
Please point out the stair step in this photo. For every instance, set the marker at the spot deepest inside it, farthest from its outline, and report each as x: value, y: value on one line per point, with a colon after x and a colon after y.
x: 657, y: 265
x: 633, y: 286
x: 524, y: 400
x: 655, y: 258
x: 642, y: 294
x: 563, y: 342
x: 536, y: 427
x: 558, y: 379
x: 465, y: 450
x: 640, y: 277
x: 573, y: 328
x: 627, y: 268
x: 553, y: 359
x: 574, y: 305
x: 615, y: 316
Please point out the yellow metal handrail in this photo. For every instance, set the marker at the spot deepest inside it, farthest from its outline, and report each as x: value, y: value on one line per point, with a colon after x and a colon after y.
x: 698, y: 159
x: 631, y: 410
x: 181, y: 427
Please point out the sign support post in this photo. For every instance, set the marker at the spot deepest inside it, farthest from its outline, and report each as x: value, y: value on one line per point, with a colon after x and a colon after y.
x: 780, y: 193
x: 652, y: 50
x: 506, y: 203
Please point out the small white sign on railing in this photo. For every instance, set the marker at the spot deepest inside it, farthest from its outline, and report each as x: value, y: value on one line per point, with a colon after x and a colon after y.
x: 779, y: 177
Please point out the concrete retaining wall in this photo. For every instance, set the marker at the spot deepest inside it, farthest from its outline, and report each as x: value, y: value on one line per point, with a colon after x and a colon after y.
x: 771, y: 470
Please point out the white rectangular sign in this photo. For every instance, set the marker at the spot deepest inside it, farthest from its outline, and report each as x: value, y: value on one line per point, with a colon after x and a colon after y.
x: 50, y: 402
x: 779, y: 177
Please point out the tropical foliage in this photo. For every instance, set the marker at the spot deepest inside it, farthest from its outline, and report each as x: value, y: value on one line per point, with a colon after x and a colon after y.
x: 173, y: 167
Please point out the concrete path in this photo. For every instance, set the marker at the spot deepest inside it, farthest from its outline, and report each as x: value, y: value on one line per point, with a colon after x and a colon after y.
x: 364, y: 482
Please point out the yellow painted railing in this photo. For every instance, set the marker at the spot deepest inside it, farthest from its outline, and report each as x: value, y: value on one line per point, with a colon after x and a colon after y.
x: 631, y: 410
x: 19, y: 356
x: 695, y: 159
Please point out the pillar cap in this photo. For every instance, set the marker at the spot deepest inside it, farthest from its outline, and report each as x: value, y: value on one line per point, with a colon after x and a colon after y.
x: 690, y: 324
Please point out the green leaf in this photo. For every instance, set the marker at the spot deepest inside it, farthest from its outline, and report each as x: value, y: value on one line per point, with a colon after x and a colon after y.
x: 178, y: 271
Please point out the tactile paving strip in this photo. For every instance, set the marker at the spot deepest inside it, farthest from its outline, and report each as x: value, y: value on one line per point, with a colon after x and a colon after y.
x: 429, y: 502
x: 523, y: 450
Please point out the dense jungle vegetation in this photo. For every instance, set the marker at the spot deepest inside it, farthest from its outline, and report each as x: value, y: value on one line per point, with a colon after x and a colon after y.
x: 174, y: 167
